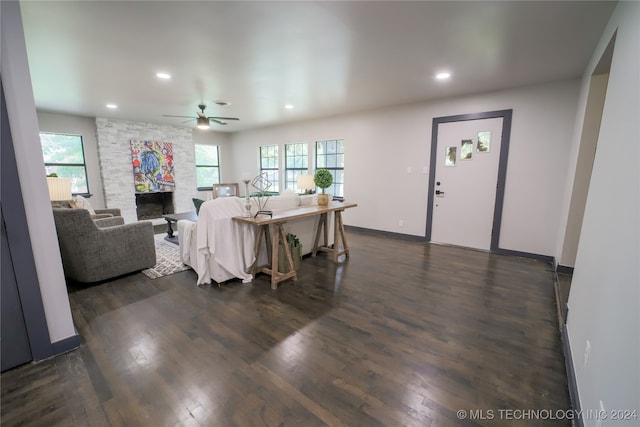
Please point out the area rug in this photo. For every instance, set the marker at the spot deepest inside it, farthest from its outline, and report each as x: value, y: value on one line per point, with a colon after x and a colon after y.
x: 167, y: 259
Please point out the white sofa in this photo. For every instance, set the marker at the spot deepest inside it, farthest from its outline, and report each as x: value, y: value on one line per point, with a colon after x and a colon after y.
x: 220, y: 249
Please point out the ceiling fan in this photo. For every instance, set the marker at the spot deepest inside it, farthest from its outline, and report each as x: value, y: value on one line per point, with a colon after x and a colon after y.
x: 203, y: 119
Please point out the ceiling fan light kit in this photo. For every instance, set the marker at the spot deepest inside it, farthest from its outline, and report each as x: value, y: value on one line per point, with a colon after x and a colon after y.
x: 203, y: 123
x: 202, y: 120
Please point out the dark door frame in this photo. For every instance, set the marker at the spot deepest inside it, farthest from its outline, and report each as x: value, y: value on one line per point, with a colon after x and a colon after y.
x: 506, y: 116
x: 19, y: 242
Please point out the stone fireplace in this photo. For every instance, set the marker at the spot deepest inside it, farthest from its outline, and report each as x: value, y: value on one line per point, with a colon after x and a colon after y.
x: 154, y: 205
x: 114, y: 150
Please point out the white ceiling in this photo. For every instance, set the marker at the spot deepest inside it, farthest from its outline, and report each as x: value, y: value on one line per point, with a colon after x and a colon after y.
x: 324, y: 57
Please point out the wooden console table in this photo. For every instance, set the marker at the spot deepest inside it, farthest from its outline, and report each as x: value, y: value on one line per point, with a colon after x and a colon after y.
x: 277, y: 220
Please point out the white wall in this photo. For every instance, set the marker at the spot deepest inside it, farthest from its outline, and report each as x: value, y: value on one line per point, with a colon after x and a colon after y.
x: 583, y: 152
x: 605, y: 291
x: 381, y: 144
x: 21, y: 110
x: 85, y: 127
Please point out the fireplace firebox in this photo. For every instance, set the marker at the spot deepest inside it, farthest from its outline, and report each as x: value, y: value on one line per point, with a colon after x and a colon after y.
x: 154, y: 205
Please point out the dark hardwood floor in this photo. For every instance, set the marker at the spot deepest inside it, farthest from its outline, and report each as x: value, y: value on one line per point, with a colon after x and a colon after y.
x: 402, y: 334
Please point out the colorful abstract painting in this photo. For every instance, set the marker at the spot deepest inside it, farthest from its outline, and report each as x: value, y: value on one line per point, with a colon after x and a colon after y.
x: 152, y: 166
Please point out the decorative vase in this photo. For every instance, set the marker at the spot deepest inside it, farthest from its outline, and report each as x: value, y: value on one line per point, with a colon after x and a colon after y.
x: 323, y: 199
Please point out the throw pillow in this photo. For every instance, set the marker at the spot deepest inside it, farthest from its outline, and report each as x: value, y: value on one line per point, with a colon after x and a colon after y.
x: 197, y: 203
x: 83, y: 203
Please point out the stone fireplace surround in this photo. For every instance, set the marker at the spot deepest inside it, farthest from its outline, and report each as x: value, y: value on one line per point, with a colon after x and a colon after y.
x: 114, y: 152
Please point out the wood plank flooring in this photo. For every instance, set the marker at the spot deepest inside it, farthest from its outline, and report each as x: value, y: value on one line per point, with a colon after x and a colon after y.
x: 402, y: 334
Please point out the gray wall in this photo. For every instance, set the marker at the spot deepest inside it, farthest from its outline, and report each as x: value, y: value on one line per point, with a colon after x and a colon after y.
x: 605, y: 293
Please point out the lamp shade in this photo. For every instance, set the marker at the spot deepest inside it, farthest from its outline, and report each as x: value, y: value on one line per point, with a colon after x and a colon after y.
x: 203, y: 123
x: 305, y: 182
x: 59, y: 189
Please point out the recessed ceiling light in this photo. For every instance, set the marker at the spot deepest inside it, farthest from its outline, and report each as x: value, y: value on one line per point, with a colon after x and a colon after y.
x: 443, y: 76
x: 163, y: 76
x: 112, y: 106
x: 288, y: 106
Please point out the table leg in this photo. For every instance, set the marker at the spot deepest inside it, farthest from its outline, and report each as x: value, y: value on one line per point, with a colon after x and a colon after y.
x: 322, y: 226
x: 169, y: 229
x: 274, y: 257
x: 272, y: 245
x: 336, y: 241
x: 277, y: 276
x: 256, y: 251
x: 338, y: 227
x: 171, y: 237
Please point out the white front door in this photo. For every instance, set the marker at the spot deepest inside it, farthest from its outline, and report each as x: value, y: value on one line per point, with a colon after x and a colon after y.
x: 466, y: 175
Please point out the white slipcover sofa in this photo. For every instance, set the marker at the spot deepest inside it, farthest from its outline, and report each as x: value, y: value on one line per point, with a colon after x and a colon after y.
x: 220, y: 249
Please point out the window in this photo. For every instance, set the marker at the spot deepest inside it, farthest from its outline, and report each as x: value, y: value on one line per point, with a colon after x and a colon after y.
x: 296, y: 162
x: 64, y: 156
x: 330, y: 155
x: 207, y: 166
x: 269, y: 164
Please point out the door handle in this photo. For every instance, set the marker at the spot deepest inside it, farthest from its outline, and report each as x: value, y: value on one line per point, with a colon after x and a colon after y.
x: 438, y: 192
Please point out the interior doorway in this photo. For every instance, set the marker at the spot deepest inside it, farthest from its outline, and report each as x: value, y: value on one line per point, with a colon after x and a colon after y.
x: 582, y: 178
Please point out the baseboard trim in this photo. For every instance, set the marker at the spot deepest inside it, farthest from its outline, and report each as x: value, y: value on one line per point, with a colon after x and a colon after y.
x: 65, y: 345
x: 563, y: 269
x: 544, y: 258
x: 571, y: 377
x: 386, y: 233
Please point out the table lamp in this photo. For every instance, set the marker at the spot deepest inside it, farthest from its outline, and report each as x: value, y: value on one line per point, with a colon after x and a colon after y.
x: 306, y: 183
x: 59, y: 189
x: 246, y: 178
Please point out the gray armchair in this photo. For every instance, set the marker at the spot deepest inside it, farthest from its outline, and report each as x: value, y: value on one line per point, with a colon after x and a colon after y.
x: 95, y: 250
x: 105, y: 213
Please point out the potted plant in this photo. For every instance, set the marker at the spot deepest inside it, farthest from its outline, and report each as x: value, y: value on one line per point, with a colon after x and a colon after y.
x: 323, y: 179
x: 295, y: 247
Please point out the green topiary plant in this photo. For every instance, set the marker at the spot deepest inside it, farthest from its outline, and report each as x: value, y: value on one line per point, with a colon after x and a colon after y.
x: 323, y: 179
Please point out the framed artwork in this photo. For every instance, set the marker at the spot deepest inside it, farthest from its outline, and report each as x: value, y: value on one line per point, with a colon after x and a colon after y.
x: 484, y: 142
x: 466, y: 149
x: 451, y: 154
x: 225, y: 190
x: 152, y: 163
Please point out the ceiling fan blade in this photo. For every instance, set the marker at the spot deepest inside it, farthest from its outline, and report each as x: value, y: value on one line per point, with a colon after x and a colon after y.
x: 223, y: 118
x: 218, y: 121
x: 190, y: 120
x: 184, y: 117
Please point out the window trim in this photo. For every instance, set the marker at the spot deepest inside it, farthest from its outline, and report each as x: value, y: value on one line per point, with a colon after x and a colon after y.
x: 304, y: 170
x: 276, y: 169
x: 209, y: 188
x: 87, y: 194
x: 332, y: 169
